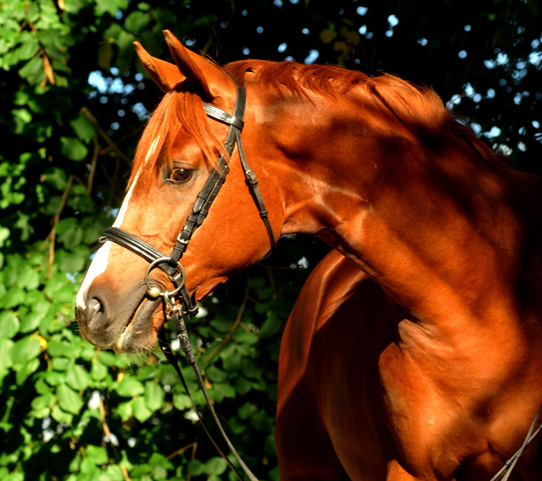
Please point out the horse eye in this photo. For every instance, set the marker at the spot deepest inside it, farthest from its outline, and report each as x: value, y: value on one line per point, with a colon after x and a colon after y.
x: 180, y: 175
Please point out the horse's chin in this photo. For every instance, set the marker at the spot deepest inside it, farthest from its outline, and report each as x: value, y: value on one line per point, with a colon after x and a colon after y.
x: 141, y: 330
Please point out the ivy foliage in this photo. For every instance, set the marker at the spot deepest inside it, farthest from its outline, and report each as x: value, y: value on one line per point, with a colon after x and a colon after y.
x: 73, y: 102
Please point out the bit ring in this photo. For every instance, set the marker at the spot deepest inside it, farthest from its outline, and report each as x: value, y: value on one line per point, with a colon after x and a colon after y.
x: 153, y: 291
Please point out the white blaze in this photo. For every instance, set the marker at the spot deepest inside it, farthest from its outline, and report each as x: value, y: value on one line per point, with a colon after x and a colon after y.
x: 99, y: 263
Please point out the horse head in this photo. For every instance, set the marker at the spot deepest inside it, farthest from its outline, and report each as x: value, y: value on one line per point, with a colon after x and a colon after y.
x: 172, y: 170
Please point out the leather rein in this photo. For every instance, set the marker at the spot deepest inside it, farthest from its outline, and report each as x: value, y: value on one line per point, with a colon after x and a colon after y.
x: 179, y: 303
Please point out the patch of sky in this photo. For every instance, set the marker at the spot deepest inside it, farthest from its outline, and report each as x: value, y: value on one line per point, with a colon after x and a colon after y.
x: 467, y: 28
x: 476, y: 128
x: 493, y: 132
x: 282, y: 47
x: 423, y: 42
x: 259, y: 29
x: 535, y: 58
x: 462, y: 54
x: 246, y: 51
x: 96, y: 80
x: 502, y: 58
x: 535, y: 124
x: 363, y: 31
x: 140, y: 110
x: 393, y: 21
x: 295, y: 2
x: 312, y: 57
x: 277, y: 3
x: 472, y: 94
x: 361, y: 10
x: 305, y: 31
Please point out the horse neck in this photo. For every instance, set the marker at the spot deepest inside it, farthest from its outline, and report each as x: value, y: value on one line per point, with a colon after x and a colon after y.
x: 448, y: 235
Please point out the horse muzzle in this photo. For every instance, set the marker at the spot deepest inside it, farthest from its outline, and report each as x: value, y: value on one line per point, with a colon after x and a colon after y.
x: 131, y: 327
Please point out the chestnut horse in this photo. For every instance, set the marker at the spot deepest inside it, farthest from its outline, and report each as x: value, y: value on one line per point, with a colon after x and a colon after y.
x: 378, y: 169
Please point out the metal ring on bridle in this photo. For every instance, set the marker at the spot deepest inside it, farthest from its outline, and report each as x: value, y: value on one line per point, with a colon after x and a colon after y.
x: 154, y: 291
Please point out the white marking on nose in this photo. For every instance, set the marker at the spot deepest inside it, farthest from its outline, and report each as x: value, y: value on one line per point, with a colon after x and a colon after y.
x: 100, y: 261
x: 98, y: 265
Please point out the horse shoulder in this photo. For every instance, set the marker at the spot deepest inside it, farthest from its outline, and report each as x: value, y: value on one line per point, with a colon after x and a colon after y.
x: 331, y: 345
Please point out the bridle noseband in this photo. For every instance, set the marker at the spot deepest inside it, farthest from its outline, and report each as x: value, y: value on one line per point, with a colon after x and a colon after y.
x: 179, y: 303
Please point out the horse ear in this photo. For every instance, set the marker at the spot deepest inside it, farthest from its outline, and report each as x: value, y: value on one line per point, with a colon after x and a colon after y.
x: 166, y: 75
x: 201, y: 71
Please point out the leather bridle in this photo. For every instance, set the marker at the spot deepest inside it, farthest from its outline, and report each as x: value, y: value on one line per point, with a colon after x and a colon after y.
x: 179, y: 303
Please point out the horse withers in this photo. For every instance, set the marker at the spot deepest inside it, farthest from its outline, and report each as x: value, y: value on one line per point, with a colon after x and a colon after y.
x: 381, y: 171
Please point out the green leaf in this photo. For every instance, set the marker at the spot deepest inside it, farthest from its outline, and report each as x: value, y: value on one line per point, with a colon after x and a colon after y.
x: 216, y: 466
x: 22, y: 371
x: 141, y: 411
x: 56, y: 177
x: 61, y: 416
x: 31, y: 321
x: 23, y: 115
x: 25, y: 349
x: 251, y: 369
x: 83, y: 128
x: 41, y: 402
x: 130, y: 387
x: 32, y: 70
x: 137, y: 21
x: 125, y: 410
x: 29, y: 46
x: 77, y: 377
x: 69, y: 400
x: 147, y: 372
x: 73, y: 148
x: 5, y: 353
x: 196, y: 467
x: 28, y: 278
x: 9, y: 324
x: 98, y: 371
x: 109, y: 6
x: 154, y: 396
x: 216, y: 375
x: 72, y: 261
x: 73, y: 6
x: 270, y: 327
x: 62, y: 349
x: 97, y: 454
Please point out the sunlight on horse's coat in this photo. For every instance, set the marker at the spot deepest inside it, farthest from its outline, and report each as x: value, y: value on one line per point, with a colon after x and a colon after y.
x: 419, y: 360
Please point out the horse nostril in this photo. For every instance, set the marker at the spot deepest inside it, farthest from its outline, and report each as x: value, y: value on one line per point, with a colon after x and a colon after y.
x: 94, y: 315
x: 95, y: 305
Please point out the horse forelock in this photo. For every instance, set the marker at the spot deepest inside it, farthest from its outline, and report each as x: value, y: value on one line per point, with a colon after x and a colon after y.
x: 178, y: 110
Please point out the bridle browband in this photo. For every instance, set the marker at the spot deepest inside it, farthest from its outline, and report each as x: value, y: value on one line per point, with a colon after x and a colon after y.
x: 179, y: 303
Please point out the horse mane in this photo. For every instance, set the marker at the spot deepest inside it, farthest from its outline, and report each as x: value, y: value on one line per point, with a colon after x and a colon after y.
x: 419, y: 108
